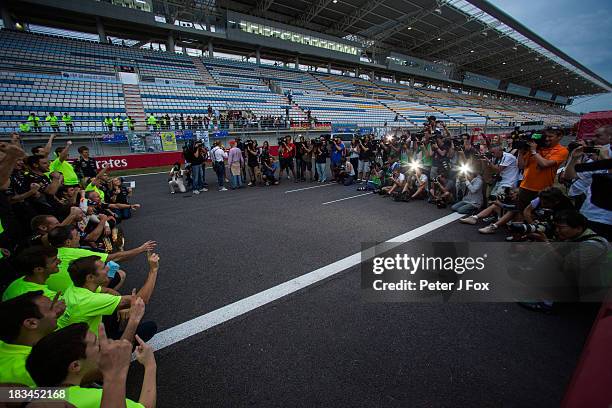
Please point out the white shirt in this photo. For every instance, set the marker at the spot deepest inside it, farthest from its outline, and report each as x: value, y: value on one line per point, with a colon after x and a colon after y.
x: 423, y: 178
x: 510, y: 171
x: 474, y: 191
x: 593, y: 212
x: 400, y: 178
x: 218, y: 154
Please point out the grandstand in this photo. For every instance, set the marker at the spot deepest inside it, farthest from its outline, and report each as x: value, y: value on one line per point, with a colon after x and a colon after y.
x: 83, y: 78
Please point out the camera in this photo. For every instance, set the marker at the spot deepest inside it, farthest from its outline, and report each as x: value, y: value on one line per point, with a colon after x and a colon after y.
x: 503, y: 197
x: 526, y: 228
x: 457, y: 143
x: 281, y: 140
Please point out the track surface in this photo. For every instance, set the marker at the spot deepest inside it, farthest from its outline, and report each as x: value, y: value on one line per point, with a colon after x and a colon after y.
x: 324, y: 346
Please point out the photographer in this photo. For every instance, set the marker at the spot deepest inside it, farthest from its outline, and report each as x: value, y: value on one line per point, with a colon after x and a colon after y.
x: 337, y: 153
x: 540, y: 163
x: 299, y: 152
x: 268, y: 167
x: 441, y: 189
x: 354, y: 153
x: 286, y: 153
x: 505, y: 168
x: 253, y: 163
x: 440, y: 149
x: 196, y: 157
x: 424, y: 152
x: 218, y: 156
x: 320, y: 154
x: 472, y: 199
x: 415, y: 187
x: 364, y: 159
x: 346, y: 172
x: 307, y: 149
x: 235, y: 162
x: 398, y: 181
x: 175, y: 179
x: 507, y: 201
x: 375, y: 180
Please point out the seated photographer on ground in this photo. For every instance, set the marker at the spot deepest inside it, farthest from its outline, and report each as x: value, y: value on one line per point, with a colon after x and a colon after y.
x: 346, y: 172
x: 472, y: 196
x: 269, y: 167
x: 397, y: 181
x: 376, y: 178
x: 441, y: 189
x: 415, y: 187
x: 175, y: 179
x: 502, y: 210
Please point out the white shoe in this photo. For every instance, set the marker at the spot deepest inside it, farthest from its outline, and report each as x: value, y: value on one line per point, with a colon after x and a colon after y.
x: 203, y: 189
x: 223, y: 189
x: 196, y: 192
x: 472, y: 220
x: 172, y: 192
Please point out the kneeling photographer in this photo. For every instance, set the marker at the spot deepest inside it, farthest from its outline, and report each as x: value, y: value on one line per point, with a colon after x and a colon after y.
x: 504, y: 208
x: 441, y: 189
x: 346, y: 172
x: 539, y: 214
x: 472, y: 197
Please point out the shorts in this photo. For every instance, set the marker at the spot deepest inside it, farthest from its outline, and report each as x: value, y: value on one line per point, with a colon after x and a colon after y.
x: 363, y: 166
x: 525, y: 197
x: 286, y: 163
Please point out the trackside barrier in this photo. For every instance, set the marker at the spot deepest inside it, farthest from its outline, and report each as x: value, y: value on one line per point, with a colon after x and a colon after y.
x: 591, y: 383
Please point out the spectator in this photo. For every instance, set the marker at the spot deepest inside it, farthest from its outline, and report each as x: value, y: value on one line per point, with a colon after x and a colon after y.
x: 73, y: 353
x: 235, y: 163
x: 85, y: 304
x: 472, y: 200
x: 175, y: 179
x: 63, y: 166
x: 37, y: 263
x: 67, y: 119
x: 108, y: 122
x: 34, y: 122
x: 86, y: 166
x: 540, y: 165
x: 218, y: 156
x: 26, y: 319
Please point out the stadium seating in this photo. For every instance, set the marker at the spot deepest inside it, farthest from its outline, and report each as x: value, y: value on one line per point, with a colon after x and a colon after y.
x: 80, y: 77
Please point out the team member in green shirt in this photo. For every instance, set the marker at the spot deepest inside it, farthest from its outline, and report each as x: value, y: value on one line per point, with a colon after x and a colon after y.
x: 86, y: 303
x: 37, y: 263
x: 34, y: 121
x: 67, y: 119
x: 152, y: 122
x: 108, y: 122
x: 52, y: 121
x: 61, y: 165
x: 25, y: 320
x: 67, y: 240
x: 119, y: 123
x: 24, y: 127
x: 70, y: 354
x: 130, y: 123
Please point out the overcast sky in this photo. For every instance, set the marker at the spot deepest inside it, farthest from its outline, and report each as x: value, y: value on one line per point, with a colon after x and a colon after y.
x: 580, y: 28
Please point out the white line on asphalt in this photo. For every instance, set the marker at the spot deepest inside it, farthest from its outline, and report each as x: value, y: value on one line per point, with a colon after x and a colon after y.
x: 145, y: 174
x: 206, y: 321
x: 348, y: 198
x: 308, y: 188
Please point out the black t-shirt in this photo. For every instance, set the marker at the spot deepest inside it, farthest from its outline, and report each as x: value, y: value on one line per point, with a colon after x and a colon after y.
x: 39, y: 179
x: 86, y: 168
x: 18, y: 183
x: 321, y: 155
x: 197, y: 160
x: 251, y: 158
x: 365, y: 154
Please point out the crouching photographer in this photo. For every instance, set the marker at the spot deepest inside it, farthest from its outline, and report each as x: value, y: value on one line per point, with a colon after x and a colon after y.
x: 441, y: 189
x: 539, y: 214
x: 472, y: 197
x: 346, y: 172
x: 503, y: 209
x: 175, y: 179
x: 415, y: 187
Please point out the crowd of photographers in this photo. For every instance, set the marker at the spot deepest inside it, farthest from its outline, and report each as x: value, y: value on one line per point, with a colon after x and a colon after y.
x: 65, y: 321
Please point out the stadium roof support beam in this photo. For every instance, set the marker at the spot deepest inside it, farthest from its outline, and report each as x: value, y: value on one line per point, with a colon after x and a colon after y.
x: 441, y: 32
x: 402, y: 25
x: 457, y: 41
x: 348, y: 21
x: 262, y: 6
x: 312, y: 11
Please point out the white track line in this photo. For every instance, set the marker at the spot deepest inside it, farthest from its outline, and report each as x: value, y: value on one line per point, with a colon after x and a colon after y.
x: 145, y: 174
x: 348, y: 198
x: 308, y: 188
x: 206, y: 321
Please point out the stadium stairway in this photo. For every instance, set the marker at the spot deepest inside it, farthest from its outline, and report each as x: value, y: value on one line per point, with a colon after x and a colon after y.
x: 327, y: 88
x: 203, y: 71
x: 134, y: 106
x: 396, y: 112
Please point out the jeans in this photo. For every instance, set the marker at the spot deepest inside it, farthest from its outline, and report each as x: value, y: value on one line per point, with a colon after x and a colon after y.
x: 236, y: 181
x: 463, y: 207
x: 298, y: 169
x: 220, y: 171
x: 321, y: 170
x: 197, y: 176
x: 348, y: 180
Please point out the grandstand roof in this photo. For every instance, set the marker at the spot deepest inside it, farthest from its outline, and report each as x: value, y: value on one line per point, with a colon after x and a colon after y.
x: 474, y: 35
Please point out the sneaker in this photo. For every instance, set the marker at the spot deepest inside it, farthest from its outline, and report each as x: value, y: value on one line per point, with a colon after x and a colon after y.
x: 510, y: 238
x: 490, y: 220
x: 250, y: 184
x: 472, y: 220
x: 223, y: 189
x: 196, y: 192
x: 203, y: 189
x: 172, y: 192
x: 490, y: 229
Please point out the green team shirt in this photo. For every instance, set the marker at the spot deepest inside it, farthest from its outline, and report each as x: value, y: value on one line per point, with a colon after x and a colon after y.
x: 24, y: 127
x: 91, y: 398
x: 21, y: 286
x: 12, y: 364
x: 91, y: 187
x: 52, y: 120
x: 70, y: 177
x: 151, y: 120
x: 85, y: 306
x: 61, y: 280
x: 375, y: 180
